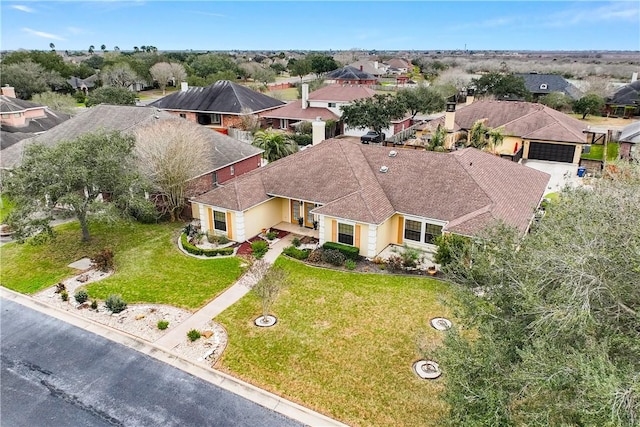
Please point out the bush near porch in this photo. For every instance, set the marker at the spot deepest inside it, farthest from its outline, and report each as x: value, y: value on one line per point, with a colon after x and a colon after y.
x: 344, y: 344
x: 149, y: 268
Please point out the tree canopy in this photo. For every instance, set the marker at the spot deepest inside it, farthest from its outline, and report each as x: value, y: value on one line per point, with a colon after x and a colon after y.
x: 29, y: 78
x: 71, y: 174
x: 501, y: 86
x: 111, y: 95
x: 300, y: 67
x: 56, y: 101
x: 374, y: 113
x: 588, y: 104
x: 421, y: 100
x: 321, y: 64
x: 276, y: 145
x: 550, y: 322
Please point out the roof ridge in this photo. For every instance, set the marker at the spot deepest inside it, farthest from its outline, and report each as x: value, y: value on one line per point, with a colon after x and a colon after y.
x: 546, y: 109
x: 529, y: 113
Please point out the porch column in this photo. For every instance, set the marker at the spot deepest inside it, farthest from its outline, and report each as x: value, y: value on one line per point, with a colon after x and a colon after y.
x: 240, y: 231
x: 372, y: 241
x: 321, y: 230
x: 204, y: 221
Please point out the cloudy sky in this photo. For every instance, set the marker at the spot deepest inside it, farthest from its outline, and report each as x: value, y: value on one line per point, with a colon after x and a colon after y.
x: 307, y: 25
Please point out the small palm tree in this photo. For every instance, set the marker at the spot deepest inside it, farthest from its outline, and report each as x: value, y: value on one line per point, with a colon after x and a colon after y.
x: 52, y: 46
x: 478, y: 135
x: 103, y: 48
x: 438, y: 138
x: 496, y: 136
x: 276, y: 145
x: 116, y: 49
x: 91, y: 49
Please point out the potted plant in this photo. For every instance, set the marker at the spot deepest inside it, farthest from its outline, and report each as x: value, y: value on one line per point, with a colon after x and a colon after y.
x: 301, y: 221
x: 432, y: 270
x: 315, y: 225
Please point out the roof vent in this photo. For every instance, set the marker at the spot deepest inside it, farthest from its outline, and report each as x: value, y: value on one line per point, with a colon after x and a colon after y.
x: 543, y: 86
x: 393, y: 153
x: 384, y: 169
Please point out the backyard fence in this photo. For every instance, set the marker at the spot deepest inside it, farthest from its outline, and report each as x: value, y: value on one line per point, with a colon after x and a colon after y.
x: 241, y: 135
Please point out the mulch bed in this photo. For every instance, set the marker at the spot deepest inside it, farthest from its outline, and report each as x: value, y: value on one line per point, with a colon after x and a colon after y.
x: 244, y: 248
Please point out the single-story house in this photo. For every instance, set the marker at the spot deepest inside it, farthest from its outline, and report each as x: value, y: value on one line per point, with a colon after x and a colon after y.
x: 375, y: 68
x: 531, y: 130
x: 217, y: 106
x: 625, y: 102
x: 373, y: 196
x: 629, y: 140
x: 225, y: 159
x: 544, y: 84
x: 83, y: 84
x: 351, y: 76
x: 20, y: 119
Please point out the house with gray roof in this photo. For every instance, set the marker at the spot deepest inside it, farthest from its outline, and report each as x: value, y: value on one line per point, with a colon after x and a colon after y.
x: 544, y: 84
x: 629, y: 140
x: 625, y: 102
x: 372, y: 196
x: 351, y: 76
x: 217, y: 106
x: 226, y: 157
x: 22, y: 119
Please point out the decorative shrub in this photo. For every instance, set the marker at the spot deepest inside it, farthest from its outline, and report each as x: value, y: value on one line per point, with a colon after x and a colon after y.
x: 333, y: 256
x: 302, y: 139
x: 81, y: 296
x: 115, y: 303
x: 350, y: 252
x: 259, y: 248
x: 217, y: 239
x: 64, y: 295
x: 378, y: 260
x: 296, y: 253
x: 192, y: 249
x: 103, y: 260
x: 60, y: 287
x: 394, y: 263
x: 94, y: 304
x: 296, y: 242
x: 315, y: 256
x: 350, y: 264
x: 410, y: 257
x: 272, y: 235
x: 163, y: 324
x: 451, y: 247
x: 193, y: 334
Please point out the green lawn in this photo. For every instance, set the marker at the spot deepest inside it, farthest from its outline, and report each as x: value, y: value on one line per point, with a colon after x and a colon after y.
x: 344, y: 345
x: 6, y: 206
x: 290, y: 94
x: 149, y: 266
x: 598, y: 150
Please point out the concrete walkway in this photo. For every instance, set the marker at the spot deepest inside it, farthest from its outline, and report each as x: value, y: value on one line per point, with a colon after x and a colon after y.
x: 222, y: 380
x: 239, y: 289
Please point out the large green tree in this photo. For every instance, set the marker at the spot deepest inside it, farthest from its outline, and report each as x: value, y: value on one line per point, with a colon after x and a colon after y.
x: 29, y: 78
x: 588, y: 104
x: 111, y: 95
x: 275, y: 144
x: 557, y: 100
x: 501, y: 86
x: 549, y: 330
x: 374, y: 113
x: 71, y: 174
x: 421, y: 100
x: 299, y: 67
x: 56, y: 101
x: 321, y: 64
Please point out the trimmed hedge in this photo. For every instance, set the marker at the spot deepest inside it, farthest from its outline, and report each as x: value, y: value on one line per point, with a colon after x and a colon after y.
x: 194, y: 250
x: 351, y: 252
x: 296, y: 253
x: 302, y: 139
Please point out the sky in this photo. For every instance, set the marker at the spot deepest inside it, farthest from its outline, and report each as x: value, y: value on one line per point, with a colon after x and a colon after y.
x: 326, y: 25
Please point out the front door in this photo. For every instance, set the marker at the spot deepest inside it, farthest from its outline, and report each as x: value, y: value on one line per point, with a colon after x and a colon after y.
x: 308, y: 216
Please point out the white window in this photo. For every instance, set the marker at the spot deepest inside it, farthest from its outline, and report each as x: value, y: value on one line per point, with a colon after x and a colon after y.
x: 283, y: 123
x: 219, y: 221
x: 345, y: 233
x: 232, y: 169
x: 421, y: 231
x: 332, y: 105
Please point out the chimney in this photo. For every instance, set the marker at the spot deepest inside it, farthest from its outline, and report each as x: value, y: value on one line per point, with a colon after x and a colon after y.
x: 450, y: 116
x: 318, y: 131
x: 470, y: 96
x: 634, y: 77
x: 184, y: 86
x: 9, y: 91
x: 361, y: 68
x: 305, y: 95
x: 375, y: 64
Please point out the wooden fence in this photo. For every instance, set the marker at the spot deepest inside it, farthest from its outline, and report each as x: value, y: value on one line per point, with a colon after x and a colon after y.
x: 401, y: 136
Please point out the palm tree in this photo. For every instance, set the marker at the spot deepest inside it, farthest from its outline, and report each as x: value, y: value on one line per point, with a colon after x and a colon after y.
x: 135, y: 49
x: 496, y: 136
x: 52, y: 46
x: 91, y: 49
x: 478, y: 135
x: 116, y: 49
x: 276, y: 145
x: 438, y: 137
x: 103, y: 48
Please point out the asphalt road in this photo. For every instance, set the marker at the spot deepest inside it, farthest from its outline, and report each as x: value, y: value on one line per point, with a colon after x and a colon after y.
x: 54, y: 374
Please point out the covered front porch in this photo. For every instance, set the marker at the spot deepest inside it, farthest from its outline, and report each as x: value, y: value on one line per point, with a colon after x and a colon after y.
x: 296, y: 229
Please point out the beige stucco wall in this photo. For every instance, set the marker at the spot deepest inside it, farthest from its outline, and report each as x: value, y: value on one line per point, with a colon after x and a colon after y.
x: 363, y: 244
x: 264, y: 215
x: 508, y: 145
x: 387, y: 233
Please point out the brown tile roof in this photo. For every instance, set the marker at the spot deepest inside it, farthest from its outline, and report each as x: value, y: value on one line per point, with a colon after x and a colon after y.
x: 294, y: 110
x: 523, y: 119
x: 468, y: 188
x: 341, y: 93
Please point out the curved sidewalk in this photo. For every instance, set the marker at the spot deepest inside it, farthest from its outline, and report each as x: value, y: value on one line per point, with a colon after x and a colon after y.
x: 226, y: 299
x: 222, y: 380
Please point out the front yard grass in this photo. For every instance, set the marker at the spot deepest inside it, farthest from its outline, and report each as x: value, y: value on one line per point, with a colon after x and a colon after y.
x: 597, y: 151
x: 149, y: 267
x: 6, y: 206
x: 344, y: 345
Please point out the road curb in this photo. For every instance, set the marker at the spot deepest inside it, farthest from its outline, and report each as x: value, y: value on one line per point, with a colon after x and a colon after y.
x: 227, y: 382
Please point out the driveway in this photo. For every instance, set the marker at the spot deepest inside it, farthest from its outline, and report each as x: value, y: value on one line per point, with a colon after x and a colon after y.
x: 56, y: 374
x: 562, y: 174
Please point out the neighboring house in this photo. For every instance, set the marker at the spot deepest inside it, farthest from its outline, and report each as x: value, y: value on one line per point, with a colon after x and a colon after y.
x: 324, y: 103
x: 398, y: 66
x: 351, y: 76
x: 629, y: 140
x: 372, y: 196
x: 226, y: 158
x: 543, y: 84
x: 625, y: 102
x: 532, y: 131
x: 83, y: 84
x: 375, y: 68
x: 24, y: 119
x: 217, y: 106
